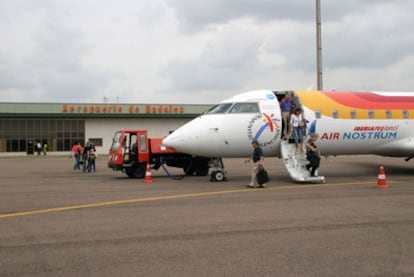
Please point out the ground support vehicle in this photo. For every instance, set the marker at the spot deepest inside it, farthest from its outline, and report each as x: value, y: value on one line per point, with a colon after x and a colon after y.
x: 131, y: 150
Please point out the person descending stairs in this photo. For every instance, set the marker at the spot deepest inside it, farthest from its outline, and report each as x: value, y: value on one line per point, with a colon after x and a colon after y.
x: 295, y: 163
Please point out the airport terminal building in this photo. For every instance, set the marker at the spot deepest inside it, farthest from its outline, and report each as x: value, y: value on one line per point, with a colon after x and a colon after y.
x: 59, y: 125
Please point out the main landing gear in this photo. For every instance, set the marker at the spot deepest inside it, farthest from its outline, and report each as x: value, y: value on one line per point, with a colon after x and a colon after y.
x: 218, y: 174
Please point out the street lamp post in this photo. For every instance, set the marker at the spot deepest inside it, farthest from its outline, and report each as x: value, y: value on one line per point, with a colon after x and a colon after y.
x: 318, y: 46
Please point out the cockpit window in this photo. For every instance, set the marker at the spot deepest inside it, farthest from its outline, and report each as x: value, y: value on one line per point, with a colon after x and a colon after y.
x: 220, y: 108
x: 244, y: 108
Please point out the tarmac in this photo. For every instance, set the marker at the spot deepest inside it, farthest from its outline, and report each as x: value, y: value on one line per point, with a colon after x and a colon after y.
x: 56, y: 221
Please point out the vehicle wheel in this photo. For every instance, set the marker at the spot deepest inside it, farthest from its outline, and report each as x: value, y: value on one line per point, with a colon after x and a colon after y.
x: 202, y: 170
x: 218, y: 176
x: 137, y: 171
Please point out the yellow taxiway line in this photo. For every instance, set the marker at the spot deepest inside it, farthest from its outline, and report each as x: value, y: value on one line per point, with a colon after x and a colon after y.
x: 177, y: 196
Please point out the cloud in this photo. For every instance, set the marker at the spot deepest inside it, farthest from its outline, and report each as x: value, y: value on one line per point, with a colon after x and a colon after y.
x: 228, y: 59
x: 377, y: 38
x: 52, y: 65
x: 246, y: 54
x: 394, y: 77
x: 372, y: 36
x: 197, y: 51
x: 196, y: 15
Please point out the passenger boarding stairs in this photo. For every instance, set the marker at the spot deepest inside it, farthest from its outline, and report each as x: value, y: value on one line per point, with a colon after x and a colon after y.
x: 295, y: 164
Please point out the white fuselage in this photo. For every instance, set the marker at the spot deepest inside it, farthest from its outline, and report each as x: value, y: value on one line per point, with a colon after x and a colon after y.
x: 228, y: 132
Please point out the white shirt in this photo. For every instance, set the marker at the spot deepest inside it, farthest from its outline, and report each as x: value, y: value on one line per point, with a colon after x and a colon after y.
x: 294, y: 119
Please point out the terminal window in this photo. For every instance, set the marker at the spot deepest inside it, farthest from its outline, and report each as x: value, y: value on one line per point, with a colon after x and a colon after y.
x: 96, y: 141
x: 21, y: 135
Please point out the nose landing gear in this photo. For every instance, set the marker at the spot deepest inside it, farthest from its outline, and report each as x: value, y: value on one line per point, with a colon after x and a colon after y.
x: 218, y: 174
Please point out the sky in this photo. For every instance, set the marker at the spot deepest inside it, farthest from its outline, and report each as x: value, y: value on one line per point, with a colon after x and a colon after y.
x: 198, y: 51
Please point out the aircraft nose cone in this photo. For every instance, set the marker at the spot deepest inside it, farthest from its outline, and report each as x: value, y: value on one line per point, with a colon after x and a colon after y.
x: 185, y: 139
x: 173, y: 140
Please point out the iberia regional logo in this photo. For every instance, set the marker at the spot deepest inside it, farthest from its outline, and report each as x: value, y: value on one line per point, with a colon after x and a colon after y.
x: 265, y: 129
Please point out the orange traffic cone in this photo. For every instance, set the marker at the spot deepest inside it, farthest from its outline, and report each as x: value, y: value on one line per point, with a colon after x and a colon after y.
x: 382, y: 182
x: 148, y: 176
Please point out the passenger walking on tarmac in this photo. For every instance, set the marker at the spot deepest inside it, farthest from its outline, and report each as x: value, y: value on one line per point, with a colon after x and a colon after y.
x: 91, y: 158
x: 286, y: 107
x: 45, y: 148
x: 258, y: 160
x: 38, y: 147
x: 77, y: 154
x: 85, y: 155
x: 312, y: 155
x: 296, y: 127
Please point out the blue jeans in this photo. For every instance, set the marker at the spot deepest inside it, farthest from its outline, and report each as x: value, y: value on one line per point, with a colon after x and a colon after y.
x: 298, y: 134
x: 91, y: 165
x: 77, y: 161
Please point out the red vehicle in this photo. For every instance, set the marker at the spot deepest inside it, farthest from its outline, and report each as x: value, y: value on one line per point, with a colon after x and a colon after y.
x: 131, y: 150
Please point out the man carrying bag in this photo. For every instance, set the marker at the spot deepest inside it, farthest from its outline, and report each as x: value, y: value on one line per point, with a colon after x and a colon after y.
x: 262, y: 177
x: 258, y: 169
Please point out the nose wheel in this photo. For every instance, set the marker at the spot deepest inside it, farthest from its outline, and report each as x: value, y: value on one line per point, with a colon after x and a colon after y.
x: 218, y: 174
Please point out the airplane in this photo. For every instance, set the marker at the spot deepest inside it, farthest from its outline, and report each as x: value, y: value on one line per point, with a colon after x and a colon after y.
x: 348, y: 123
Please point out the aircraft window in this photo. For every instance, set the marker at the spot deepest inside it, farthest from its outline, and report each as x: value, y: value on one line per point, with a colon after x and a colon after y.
x: 335, y: 114
x: 353, y: 114
x: 371, y: 114
x: 388, y: 114
x: 318, y: 114
x: 406, y: 114
x: 245, y: 108
x: 220, y: 108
